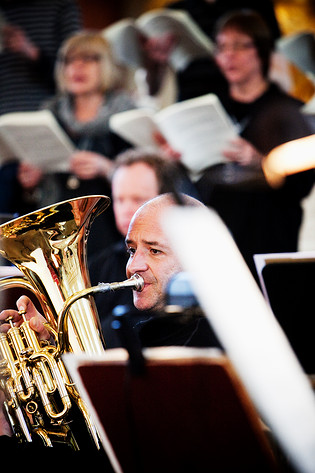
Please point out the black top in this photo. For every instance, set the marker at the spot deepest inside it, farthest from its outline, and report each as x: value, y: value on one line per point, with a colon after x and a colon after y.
x: 110, y: 266
x: 189, y: 328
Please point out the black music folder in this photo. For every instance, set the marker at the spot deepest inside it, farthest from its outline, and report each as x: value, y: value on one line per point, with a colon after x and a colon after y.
x: 288, y: 283
x: 187, y: 412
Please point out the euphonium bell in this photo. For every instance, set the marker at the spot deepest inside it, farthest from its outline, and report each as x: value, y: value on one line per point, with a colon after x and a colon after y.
x: 49, y: 248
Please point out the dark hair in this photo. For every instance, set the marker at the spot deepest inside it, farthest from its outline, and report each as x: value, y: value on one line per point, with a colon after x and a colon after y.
x: 253, y: 25
x: 166, y: 172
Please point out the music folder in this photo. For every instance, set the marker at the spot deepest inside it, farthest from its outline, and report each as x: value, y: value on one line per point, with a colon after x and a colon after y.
x: 288, y: 281
x: 187, y: 411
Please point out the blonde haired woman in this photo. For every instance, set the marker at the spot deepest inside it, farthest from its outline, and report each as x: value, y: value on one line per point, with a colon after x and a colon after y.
x: 89, y: 84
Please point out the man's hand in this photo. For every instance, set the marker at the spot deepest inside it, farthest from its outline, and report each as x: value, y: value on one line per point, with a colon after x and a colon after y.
x: 243, y: 152
x: 167, y: 150
x: 29, y: 176
x: 36, y: 320
x: 16, y: 41
x: 89, y: 165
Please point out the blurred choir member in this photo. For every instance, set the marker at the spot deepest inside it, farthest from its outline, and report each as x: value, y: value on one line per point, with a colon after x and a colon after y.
x: 89, y: 84
x: 261, y: 219
x: 31, y: 33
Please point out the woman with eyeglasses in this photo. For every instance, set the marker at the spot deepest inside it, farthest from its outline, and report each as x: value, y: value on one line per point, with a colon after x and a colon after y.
x: 90, y: 91
x: 261, y: 219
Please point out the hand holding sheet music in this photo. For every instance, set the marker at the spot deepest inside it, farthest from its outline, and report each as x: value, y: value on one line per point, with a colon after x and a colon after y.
x: 199, y: 129
x: 36, y: 138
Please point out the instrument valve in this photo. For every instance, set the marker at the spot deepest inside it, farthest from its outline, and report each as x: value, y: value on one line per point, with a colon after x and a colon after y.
x: 22, y: 313
x: 9, y: 320
x: 31, y: 407
x: 12, y: 404
x: 26, y: 353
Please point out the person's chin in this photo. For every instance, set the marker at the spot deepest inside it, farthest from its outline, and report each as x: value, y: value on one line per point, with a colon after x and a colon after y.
x: 142, y: 302
x: 142, y: 305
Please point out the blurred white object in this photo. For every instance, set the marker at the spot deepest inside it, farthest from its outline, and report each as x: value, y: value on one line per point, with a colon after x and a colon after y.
x: 247, y: 329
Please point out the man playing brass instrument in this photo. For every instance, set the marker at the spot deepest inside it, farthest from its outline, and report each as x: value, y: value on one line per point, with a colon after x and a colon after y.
x: 150, y: 255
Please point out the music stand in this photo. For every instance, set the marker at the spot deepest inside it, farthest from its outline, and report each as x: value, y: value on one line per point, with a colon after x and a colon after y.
x: 187, y: 412
x: 288, y: 283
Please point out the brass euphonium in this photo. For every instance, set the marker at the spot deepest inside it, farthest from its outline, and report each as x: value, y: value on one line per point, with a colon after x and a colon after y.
x: 49, y: 247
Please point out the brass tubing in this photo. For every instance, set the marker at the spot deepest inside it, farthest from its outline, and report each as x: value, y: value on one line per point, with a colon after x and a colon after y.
x: 135, y: 282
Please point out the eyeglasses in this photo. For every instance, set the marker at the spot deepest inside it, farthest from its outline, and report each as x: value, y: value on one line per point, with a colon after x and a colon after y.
x: 233, y: 47
x: 85, y: 58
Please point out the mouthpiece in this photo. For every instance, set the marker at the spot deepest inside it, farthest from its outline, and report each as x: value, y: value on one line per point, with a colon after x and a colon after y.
x: 138, y: 282
x: 135, y: 283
